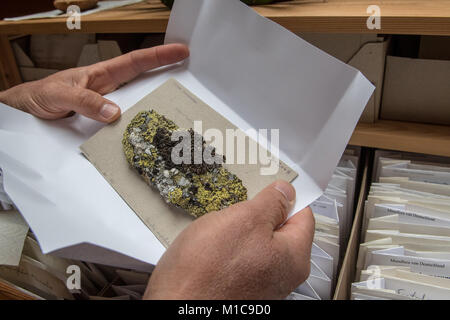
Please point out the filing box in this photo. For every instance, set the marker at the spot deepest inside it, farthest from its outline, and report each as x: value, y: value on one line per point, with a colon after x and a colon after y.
x: 416, y: 90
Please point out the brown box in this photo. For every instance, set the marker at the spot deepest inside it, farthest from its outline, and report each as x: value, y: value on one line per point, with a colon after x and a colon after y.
x: 101, y: 51
x: 416, y: 90
x: 90, y: 53
x: 365, y: 52
x: 58, y: 51
x: 32, y: 73
x: 348, y: 268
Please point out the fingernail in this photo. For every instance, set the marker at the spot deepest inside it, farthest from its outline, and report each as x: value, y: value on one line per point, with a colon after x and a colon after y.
x: 108, y: 111
x: 287, y: 190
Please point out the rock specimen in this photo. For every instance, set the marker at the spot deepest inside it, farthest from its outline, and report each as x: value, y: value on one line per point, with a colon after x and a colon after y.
x: 197, y: 188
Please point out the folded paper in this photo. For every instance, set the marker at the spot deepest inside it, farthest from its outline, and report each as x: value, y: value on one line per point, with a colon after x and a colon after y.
x: 176, y: 103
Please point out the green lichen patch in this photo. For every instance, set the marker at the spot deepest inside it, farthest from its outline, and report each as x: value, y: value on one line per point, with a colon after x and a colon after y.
x: 197, y: 188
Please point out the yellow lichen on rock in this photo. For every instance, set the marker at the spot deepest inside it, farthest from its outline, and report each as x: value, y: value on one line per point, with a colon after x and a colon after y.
x: 197, y: 188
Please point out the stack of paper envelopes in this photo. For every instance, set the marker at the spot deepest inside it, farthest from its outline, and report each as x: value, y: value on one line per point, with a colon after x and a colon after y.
x: 405, y: 252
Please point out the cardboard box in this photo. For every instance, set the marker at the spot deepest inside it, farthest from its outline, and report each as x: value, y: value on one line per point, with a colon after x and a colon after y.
x: 416, y: 90
x: 90, y: 53
x: 348, y: 268
x: 365, y: 52
x: 101, y: 51
x: 32, y: 73
x: 58, y: 51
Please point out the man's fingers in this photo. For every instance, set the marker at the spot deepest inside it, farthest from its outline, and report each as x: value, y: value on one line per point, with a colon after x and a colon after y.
x: 298, y: 234
x: 90, y: 104
x: 301, y: 223
x: 130, y: 65
x: 273, y: 203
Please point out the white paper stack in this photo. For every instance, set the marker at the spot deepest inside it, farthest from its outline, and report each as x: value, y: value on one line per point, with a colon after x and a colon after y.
x: 405, y: 252
x: 333, y: 213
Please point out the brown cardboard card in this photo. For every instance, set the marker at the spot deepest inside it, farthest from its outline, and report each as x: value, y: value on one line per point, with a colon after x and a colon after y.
x: 104, y: 150
x: 416, y: 90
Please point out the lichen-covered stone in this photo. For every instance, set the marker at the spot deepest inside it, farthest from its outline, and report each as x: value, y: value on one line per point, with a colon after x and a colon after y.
x: 197, y: 188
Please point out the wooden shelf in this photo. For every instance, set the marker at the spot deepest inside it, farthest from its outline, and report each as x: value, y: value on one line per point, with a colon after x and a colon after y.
x: 404, y: 136
x: 332, y: 16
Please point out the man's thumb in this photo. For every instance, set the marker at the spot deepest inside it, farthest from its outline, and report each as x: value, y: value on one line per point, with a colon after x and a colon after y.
x: 273, y: 203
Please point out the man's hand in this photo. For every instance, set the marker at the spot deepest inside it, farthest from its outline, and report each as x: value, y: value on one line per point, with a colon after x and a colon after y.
x: 240, y: 252
x: 81, y: 89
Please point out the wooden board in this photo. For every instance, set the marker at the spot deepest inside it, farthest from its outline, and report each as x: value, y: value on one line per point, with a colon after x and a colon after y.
x: 403, y: 136
x: 8, y: 291
x: 335, y: 16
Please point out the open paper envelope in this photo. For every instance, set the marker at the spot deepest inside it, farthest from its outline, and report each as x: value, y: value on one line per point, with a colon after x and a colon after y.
x: 249, y: 69
x: 105, y: 151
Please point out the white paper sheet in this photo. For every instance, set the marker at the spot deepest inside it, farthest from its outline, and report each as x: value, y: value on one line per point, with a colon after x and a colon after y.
x: 249, y: 69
